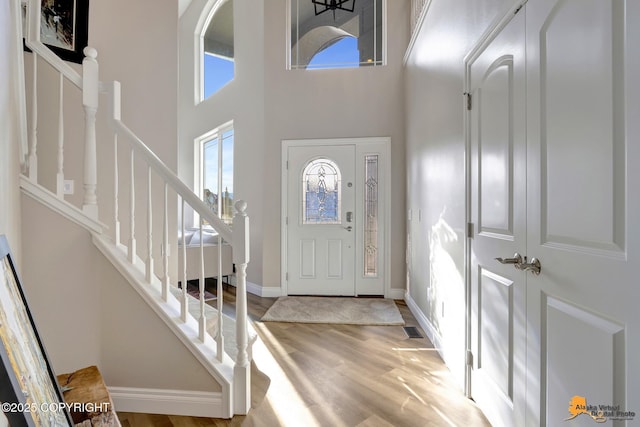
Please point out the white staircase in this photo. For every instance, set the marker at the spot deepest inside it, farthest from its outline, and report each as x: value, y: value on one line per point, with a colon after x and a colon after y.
x: 203, y: 329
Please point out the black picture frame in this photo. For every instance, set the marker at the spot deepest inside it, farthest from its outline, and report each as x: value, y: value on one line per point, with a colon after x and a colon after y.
x: 23, y: 11
x: 29, y: 392
x: 64, y: 27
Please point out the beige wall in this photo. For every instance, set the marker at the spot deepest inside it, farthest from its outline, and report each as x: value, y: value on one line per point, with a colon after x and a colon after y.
x: 138, y: 349
x: 270, y: 104
x: 87, y: 314
x: 436, y: 164
x: 10, y: 132
x: 61, y: 285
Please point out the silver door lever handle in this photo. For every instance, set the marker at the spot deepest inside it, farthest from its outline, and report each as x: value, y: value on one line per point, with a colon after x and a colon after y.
x: 534, y: 266
x: 349, y: 228
x: 517, y: 260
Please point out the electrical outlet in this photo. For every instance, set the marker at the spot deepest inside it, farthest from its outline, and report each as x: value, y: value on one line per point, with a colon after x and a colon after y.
x: 68, y: 186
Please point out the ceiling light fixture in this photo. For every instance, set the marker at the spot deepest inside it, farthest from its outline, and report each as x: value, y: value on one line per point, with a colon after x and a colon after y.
x: 322, y: 6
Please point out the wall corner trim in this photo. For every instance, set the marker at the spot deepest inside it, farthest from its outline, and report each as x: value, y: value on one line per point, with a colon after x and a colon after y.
x: 416, y: 31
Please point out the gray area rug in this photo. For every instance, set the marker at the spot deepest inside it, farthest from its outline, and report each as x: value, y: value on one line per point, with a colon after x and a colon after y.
x: 349, y: 311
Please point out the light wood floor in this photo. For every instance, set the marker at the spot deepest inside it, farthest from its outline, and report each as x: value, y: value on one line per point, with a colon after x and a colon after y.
x: 308, y: 375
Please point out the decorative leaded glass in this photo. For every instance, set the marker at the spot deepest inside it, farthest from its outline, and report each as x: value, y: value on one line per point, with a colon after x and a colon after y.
x: 321, y: 193
x: 371, y: 216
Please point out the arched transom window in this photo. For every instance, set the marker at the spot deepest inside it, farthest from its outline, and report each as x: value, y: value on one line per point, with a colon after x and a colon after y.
x: 218, y: 65
x: 321, y: 189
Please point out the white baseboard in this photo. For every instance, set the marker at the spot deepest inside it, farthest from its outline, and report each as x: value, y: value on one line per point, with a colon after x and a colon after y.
x: 264, y: 291
x: 425, y: 324
x: 169, y: 402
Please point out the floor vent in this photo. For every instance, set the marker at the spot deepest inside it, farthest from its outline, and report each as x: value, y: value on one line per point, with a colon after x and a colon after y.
x: 412, y: 332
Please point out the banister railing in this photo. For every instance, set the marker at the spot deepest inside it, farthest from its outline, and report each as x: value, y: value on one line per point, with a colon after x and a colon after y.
x: 238, y: 238
x: 172, y: 179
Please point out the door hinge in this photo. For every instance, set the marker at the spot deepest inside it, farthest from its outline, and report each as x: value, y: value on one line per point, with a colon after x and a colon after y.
x: 287, y: 164
x: 286, y: 220
x: 469, y: 358
x: 286, y: 276
x: 470, y: 230
x: 469, y: 100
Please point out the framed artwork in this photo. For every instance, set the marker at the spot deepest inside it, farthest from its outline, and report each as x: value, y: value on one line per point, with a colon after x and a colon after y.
x: 29, y: 392
x: 64, y: 27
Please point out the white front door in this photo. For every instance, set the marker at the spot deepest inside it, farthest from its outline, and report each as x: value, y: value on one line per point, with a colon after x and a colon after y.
x: 335, y: 217
x: 321, y: 220
x: 498, y: 191
x: 575, y: 210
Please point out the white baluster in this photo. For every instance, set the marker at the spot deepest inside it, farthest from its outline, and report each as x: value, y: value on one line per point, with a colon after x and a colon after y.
x: 165, y: 245
x: 116, y: 191
x: 132, y: 211
x: 115, y: 113
x: 60, y: 174
x: 219, y: 290
x: 202, y: 320
x: 241, y: 371
x: 149, y: 269
x: 33, y: 156
x: 184, y: 309
x: 90, y: 88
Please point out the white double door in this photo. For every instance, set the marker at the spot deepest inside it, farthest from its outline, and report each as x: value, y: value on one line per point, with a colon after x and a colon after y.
x: 553, y: 146
x: 334, y: 217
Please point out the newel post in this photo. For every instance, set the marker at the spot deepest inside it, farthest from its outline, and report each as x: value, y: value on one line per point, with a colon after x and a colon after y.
x: 90, y: 92
x: 242, y: 369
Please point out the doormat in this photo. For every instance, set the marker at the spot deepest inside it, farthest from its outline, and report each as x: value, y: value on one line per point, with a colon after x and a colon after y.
x: 412, y: 332
x: 337, y: 310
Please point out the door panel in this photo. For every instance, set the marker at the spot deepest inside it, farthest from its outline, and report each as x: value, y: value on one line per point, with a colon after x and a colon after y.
x: 574, y: 329
x: 334, y: 259
x: 579, y: 208
x: 308, y: 258
x: 496, y: 311
x: 494, y: 97
x: 581, y: 110
x: 497, y: 148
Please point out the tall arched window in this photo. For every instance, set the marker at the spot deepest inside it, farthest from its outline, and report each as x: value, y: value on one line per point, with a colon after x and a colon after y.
x: 218, y: 66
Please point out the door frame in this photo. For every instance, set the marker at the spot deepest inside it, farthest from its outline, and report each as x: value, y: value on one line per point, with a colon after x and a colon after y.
x: 483, y: 42
x: 362, y: 145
